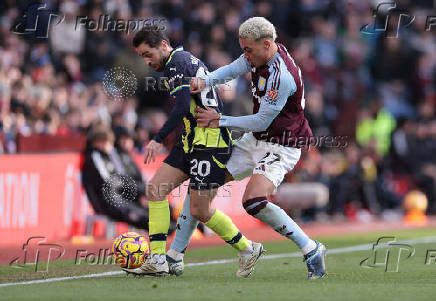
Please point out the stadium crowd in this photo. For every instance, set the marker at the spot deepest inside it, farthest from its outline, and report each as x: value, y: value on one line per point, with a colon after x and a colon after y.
x: 377, y: 90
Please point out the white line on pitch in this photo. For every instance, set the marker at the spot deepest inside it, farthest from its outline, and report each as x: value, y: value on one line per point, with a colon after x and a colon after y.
x: 222, y: 261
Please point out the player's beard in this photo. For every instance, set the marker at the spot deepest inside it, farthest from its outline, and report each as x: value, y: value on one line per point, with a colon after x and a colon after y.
x: 163, y: 59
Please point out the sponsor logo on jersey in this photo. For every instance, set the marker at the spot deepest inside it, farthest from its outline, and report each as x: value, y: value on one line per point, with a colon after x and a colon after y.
x: 261, y: 83
x: 175, y: 79
x: 194, y: 60
x: 272, y: 94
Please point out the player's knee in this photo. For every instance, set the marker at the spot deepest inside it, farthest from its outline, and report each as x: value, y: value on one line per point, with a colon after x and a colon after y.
x: 254, y: 205
x: 197, y: 214
x: 250, y: 194
x: 200, y: 213
x: 153, y: 193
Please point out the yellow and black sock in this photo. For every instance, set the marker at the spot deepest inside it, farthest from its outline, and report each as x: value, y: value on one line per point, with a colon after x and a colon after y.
x: 158, y: 225
x: 222, y: 225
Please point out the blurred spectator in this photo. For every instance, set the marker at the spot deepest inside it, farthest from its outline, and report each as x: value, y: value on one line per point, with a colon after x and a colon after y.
x: 124, y: 145
x: 142, y: 137
x: 317, y: 114
x: 375, y: 126
x: 98, y: 168
x: 103, y: 164
x: 64, y: 37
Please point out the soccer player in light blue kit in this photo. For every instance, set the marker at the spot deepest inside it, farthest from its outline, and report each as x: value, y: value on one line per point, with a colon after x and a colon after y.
x: 271, y: 148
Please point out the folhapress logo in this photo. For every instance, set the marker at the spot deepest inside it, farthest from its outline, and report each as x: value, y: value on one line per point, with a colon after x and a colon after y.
x: 389, y: 20
x: 387, y: 253
x: 36, y: 19
x: 38, y: 254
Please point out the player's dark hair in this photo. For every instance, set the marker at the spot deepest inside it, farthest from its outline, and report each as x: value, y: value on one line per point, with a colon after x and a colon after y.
x: 150, y: 35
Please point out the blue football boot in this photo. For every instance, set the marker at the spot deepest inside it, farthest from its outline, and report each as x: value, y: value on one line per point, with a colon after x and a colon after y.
x: 315, y: 261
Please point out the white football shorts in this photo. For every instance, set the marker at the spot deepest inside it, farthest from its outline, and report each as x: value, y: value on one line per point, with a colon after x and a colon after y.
x: 251, y: 156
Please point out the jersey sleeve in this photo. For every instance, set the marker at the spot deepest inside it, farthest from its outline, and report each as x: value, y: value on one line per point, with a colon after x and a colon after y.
x: 181, y: 109
x: 177, y: 76
x: 279, y: 88
x: 228, y: 72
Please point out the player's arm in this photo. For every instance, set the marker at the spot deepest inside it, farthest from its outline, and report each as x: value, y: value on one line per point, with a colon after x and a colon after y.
x: 180, y: 91
x: 270, y: 106
x: 181, y: 108
x: 221, y: 75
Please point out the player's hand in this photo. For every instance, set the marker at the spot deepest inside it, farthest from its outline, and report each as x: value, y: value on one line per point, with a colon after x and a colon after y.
x: 208, y: 118
x: 151, y: 150
x: 197, y: 85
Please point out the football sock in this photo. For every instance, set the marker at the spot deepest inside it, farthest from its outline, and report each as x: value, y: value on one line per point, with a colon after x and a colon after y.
x: 277, y: 218
x: 222, y: 225
x: 186, y: 225
x: 310, y: 246
x: 158, y: 225
x: 176, y: 255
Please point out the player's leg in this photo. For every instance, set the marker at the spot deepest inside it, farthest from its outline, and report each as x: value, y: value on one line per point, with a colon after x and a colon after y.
x: 222, y: 225
x: 173, y: 172
x: 207, y: 174
x: 275, y: 161
x: 241, y: 164
x: 163, y: 182
x: 157, y: 190
x: 186, y: 225
x: 255, y: 202
x: 216, y: 220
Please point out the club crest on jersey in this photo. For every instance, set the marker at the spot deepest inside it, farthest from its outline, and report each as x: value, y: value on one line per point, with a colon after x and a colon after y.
x: 261, y: 83
x: 272, y: 94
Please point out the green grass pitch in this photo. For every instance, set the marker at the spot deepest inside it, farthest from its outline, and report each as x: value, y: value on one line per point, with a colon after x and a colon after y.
x: 283, y: 278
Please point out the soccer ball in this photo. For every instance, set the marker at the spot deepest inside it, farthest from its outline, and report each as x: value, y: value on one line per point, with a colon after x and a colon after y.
x: 130, y: 250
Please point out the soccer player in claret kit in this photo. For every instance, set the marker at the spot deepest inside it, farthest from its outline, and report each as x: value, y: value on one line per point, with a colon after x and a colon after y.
x: 277, y: 130
x: 200, y: 156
